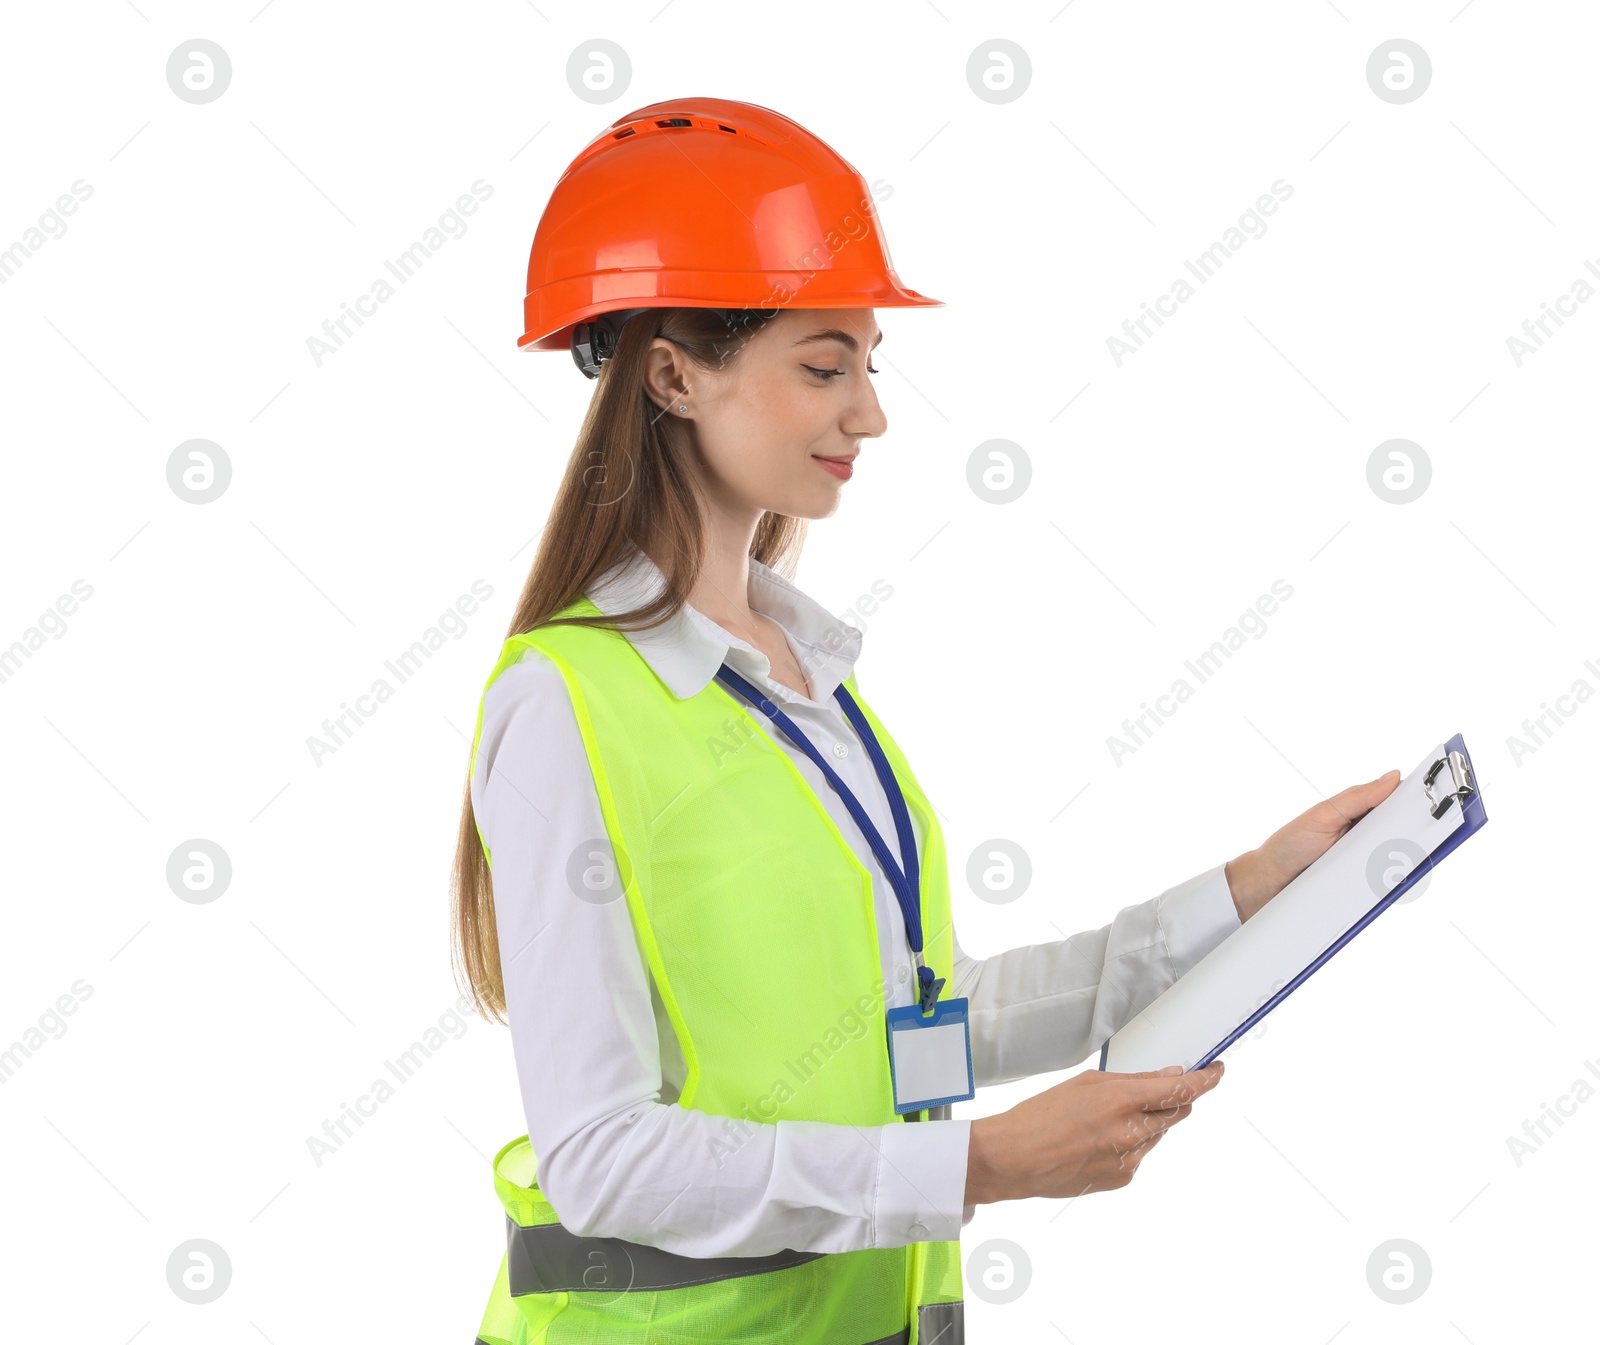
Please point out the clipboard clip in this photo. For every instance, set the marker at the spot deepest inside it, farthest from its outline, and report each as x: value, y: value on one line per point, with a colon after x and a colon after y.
x: 1440, y: 798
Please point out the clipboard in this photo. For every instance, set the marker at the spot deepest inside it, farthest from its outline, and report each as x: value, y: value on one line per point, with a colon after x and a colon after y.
x: 1430, y: 814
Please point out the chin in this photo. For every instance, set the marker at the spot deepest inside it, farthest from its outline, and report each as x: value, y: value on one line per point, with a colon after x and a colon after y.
x: 824, y: 508
x: 807, y: 504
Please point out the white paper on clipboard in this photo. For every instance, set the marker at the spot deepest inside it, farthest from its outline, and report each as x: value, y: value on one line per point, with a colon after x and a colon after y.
x: 1251, y: 971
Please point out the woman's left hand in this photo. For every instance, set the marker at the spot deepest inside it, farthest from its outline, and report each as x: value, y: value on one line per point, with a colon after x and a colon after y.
x: 1257, y: 876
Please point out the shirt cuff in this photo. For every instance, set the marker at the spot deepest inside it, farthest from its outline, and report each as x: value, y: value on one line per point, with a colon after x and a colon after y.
x: 922, y: 1182
x: 1196, y: 916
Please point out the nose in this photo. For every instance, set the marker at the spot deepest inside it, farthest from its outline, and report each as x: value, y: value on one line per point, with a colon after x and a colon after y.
x: 864, y: 417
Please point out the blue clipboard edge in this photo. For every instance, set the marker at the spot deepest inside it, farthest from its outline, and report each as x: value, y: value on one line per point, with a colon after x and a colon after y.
x: 954, y: 1009
x: 1473, y: 817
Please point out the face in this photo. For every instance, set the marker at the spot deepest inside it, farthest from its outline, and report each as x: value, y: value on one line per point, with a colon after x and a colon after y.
x: 778, y: 427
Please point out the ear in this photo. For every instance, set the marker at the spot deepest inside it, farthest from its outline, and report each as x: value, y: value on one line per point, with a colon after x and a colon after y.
x: 665, y: 373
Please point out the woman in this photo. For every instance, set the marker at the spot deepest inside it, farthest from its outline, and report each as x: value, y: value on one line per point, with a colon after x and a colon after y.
x: 697, y: 927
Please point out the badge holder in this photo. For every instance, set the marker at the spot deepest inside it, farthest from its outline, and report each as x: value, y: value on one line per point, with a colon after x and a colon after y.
x: 930, y: 1055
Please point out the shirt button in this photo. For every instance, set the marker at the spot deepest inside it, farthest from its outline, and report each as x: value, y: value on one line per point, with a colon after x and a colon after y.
x: 918, y: 1231
x: 840, y: 750
x: 901, y: 973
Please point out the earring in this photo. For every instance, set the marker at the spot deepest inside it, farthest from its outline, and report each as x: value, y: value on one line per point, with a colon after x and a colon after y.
x: 684, y: 410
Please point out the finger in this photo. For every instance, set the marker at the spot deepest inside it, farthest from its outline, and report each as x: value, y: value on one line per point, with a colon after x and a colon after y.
x: 1155, y: 1123
x: 1384, y: 786
x: 1166, y: 1090
x: 1106, y: 1076
x: 1138, y: 1132
x: 1164, y: 1118
x: 1131, y: 1156
x: 1130, y: 1153
x: 1376, y: 791
x: 1358, y: 800
x: 1167, y: 1071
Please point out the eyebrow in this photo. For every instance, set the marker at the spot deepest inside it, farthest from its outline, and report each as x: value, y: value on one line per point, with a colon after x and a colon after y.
x: 835, y: 334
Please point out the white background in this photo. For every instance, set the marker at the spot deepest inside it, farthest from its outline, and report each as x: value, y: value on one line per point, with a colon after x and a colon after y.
x: 369, y: 493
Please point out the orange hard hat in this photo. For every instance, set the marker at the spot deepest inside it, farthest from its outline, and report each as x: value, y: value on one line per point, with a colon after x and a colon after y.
x: 703, y: 203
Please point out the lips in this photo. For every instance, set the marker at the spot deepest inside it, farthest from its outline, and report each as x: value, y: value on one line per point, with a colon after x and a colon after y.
x: 839, y: 467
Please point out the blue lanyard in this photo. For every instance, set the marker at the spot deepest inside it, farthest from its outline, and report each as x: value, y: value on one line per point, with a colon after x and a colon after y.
x: 905, y: 881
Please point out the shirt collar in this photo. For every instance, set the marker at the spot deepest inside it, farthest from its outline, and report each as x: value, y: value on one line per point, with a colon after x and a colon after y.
x: 686, y: 651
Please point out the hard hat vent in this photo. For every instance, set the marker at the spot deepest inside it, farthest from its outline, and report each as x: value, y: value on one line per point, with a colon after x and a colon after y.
x: 668, y: 123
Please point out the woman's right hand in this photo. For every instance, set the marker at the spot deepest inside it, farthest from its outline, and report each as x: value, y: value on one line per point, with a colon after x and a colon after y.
x: 1087, y: 1134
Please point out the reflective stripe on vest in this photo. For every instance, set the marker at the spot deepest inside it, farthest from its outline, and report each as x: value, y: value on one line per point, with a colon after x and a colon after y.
x: 942, y: 1324
x: 704, y: 813
x: 899, y: 1337
x: 551, y: 1259
x: 937, y: 1324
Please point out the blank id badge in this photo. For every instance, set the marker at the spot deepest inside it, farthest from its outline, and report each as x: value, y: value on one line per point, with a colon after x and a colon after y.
x: 930, y: 1057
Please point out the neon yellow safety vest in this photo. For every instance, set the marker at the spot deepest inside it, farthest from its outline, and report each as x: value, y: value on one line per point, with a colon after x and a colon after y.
x: 733, y: 871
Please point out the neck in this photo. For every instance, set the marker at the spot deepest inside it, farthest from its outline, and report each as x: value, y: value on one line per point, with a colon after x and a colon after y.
x: 722, y: 588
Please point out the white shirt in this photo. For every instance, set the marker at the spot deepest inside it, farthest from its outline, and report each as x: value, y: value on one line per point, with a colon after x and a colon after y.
x: 597, y: 1060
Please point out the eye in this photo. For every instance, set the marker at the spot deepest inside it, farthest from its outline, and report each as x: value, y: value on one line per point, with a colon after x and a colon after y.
x: 828, y: 375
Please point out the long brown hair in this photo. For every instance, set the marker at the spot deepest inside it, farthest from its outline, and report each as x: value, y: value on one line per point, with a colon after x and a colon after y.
x: 628, y: 484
